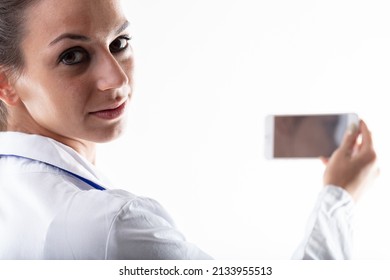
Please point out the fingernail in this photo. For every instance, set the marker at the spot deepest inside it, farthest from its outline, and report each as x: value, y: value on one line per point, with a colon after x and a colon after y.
x: 352, y: 128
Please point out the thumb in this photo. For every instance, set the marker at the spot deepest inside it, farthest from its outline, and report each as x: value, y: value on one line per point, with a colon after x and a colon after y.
x: 350, y: 138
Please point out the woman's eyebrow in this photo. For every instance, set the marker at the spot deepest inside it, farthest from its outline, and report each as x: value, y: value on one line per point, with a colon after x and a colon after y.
x: 85, y: 38
x: 123, y: 27
x: 69, y: 36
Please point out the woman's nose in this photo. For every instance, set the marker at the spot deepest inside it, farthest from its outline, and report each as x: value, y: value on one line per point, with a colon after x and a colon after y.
x: 111, y: 74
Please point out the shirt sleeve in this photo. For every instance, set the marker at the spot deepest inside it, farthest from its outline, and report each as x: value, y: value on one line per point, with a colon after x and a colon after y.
x: 329, y: 230
x: 116, y: 225
x: 144, y: 230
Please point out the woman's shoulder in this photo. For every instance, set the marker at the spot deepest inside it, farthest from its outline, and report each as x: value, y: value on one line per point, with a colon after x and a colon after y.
x: 82, y: 227
x: 116, y: 224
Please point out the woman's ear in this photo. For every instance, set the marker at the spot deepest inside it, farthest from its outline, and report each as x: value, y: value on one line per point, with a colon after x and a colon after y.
x: 7, y: 91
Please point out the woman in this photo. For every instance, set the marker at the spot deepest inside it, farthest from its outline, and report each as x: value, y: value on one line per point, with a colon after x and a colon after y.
x: 65, y: 83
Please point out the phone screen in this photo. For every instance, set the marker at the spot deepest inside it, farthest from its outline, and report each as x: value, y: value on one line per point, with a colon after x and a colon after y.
x: 308, y: 135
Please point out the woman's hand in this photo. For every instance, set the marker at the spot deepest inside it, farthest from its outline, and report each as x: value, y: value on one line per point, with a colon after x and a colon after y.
x: 352, y: 166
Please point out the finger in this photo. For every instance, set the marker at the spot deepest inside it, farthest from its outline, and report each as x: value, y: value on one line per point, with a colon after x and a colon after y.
x: 324, y: 160
x: 350, y: 138
x: 366, y: 136
x: 366, y: 151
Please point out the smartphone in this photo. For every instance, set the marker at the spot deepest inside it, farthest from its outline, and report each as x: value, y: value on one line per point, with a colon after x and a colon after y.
x: 306, y: 136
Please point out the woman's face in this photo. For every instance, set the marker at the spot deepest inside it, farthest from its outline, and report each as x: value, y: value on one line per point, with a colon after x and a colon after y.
x: 76, y: 79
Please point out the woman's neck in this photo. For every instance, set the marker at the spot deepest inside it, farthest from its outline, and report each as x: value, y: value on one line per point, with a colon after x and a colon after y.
x: 85, y: 148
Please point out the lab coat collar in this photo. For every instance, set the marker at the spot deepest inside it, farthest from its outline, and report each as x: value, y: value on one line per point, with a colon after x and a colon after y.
x: 51, y: 152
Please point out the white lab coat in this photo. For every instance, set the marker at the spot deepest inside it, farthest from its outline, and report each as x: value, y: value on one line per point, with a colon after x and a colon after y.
x: 52, y: 206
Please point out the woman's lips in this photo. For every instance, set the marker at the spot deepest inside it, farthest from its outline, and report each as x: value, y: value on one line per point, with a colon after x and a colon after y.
x: 111, y: 114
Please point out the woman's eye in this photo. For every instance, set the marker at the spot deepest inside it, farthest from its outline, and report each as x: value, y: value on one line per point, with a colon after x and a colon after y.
x: 119, y: 44
x: 73, y: 57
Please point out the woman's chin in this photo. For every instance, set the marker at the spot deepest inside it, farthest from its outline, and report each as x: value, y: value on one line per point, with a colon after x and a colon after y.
x: 108, y: 135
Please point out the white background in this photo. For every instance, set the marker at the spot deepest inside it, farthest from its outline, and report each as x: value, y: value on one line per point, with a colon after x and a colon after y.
x: 207, y: 73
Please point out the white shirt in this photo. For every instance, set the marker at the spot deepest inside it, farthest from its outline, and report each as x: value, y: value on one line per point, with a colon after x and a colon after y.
x: 329, y: 231
x: 50, y: 209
